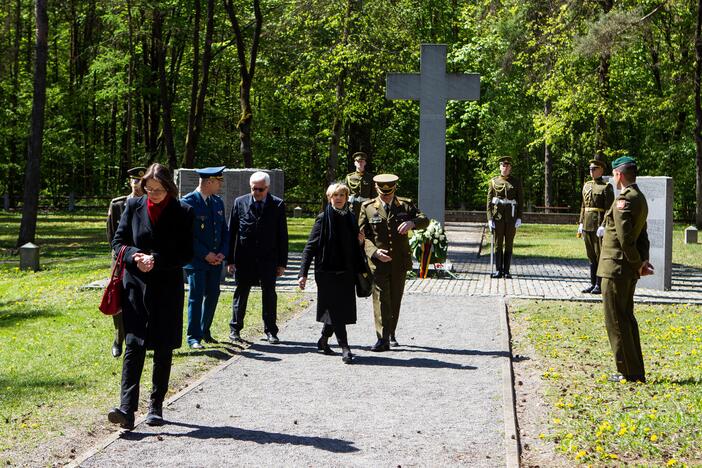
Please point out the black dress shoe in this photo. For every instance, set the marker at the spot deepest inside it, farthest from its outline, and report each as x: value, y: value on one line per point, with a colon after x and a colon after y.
x: 235, y: 337
x: 497, y: 274
x: 596, y: 290
x: 116, y: 349
x: 209, y: 339
x: 125, y: 420
x: 272, y: 339
x: 508, y: 275
x: 323, y: 346
x: 346, y: 355
x: 155, y: 416
x: 393, y: 342
x: 588, y: 289
x: 380, y: 345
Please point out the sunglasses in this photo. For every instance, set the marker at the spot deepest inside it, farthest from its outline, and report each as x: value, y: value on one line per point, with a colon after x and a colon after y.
x: 258, y: 189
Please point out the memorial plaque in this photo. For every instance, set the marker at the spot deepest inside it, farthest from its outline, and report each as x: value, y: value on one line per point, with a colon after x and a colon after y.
x: 659, y: 195
x: 236, y: 183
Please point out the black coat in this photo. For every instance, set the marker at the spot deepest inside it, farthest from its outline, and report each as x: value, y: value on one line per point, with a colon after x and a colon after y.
x: 337, y: 259
x: 257, y: 244
x: 152, y: 303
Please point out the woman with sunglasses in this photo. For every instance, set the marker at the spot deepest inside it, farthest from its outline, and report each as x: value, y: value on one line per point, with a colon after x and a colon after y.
x: 156, y: 231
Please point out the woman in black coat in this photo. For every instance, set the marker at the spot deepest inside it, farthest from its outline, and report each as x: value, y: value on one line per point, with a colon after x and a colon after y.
x: 335, y: 244
x: 157, y: 233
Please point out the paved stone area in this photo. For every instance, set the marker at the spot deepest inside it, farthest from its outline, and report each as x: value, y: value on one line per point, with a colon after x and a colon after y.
x: 437, y: 400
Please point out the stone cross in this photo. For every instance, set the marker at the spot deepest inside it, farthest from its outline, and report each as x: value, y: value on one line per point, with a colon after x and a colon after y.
x: 433, y: 87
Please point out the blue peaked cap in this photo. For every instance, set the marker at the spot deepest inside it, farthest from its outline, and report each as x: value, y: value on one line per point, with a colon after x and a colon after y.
x: 207, y: 172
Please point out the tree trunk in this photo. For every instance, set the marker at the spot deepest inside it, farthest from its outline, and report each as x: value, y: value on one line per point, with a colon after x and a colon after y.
x: 204, y: 82
x: 698, y: 116
x: 164, y: 91
x: 32, y: 176
x: 601, y: 140
x: 14, y: 103
x: 189, y: 156
x: 548, y: 165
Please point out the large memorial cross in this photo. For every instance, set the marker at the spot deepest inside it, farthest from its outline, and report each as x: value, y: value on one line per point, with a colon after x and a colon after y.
x: 433, y: 87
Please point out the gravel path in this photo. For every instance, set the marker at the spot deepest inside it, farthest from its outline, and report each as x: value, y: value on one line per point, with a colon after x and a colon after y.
x: 436, y: 400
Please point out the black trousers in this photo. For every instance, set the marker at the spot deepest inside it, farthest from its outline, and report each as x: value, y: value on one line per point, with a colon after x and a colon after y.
x: 269, y: 301
x: 133, y: 365
x: 339, y: 329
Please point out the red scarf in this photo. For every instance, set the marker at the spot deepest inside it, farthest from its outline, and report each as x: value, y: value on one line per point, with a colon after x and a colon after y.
x: 155, y: 209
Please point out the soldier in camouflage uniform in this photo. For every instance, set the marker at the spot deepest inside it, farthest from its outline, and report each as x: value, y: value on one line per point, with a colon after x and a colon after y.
x: 360, y: 183
x: 385, y: 221
x: 623, y: 259
x: 114, y: 213
x: 505, y: 200
x: 598, y: 196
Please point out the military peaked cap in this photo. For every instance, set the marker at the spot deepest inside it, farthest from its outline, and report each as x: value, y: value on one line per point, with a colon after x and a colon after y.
x: 505, y: 160
x: 386, y: 182
x: 136, y: 172
x: 597, y: 163
x: 359, y: 155
x: 207, y: 172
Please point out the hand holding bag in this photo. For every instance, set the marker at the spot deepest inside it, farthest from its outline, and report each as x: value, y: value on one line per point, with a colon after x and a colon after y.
x: 111, y: 303
x: 364, y: 278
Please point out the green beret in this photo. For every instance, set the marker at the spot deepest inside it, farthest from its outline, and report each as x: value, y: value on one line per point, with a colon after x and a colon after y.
x: 623, y: 161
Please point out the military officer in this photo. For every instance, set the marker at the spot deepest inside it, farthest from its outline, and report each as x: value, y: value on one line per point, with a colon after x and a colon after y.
x: 360, y: 183
x: 114, y: 213
x: 385, y: 221
x: 623, y: 259
x: 211, y: 246
x: 505, y: 199
x: 598, y: 196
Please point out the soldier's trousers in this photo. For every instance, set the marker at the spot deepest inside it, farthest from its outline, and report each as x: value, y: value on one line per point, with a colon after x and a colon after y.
x: 119, y: 328
x: 622, y: 328
x: 387, y: 298
x: 504, y: 236
x: 592, y: 246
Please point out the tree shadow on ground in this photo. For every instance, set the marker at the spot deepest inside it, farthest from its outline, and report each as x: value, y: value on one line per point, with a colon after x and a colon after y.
x: 459, y: 352
x: 13, y: 312
x: 248, y: 435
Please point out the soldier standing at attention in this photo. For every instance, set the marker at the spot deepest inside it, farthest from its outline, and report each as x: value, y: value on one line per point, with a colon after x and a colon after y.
x: 114, y: 213
x: 505, y: 199
x: 385, y: 221
x: 598, y: 196
x: 624, y: 258
x: 211, y: 247
x: 360, y: 183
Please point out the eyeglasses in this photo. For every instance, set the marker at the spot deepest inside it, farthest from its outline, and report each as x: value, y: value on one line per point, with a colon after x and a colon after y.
x: 154, y: 191
x: 259, y: 189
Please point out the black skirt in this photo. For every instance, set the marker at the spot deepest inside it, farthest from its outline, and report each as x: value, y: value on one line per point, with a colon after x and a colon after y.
x: 336, y: 297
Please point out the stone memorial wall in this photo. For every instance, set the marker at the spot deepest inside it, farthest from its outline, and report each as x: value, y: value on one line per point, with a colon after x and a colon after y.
x: 236, y: 183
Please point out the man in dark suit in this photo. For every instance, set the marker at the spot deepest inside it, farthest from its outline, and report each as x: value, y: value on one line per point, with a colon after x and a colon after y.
x: 211, y: 246
x: 258, y: 252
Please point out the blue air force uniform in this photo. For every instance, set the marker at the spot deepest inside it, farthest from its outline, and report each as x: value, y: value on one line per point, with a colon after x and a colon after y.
x: 210, y: 235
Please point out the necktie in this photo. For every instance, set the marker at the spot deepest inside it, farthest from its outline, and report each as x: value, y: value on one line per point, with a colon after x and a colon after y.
x: 258, y: 207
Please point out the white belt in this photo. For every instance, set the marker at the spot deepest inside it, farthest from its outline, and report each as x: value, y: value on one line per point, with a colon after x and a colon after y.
x: 505, y: 201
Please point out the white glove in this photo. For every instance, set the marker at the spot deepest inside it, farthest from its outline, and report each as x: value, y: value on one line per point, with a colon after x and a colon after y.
x: 492, y: 224
x: 580, y: 228
x: 600, y: 231
x: 517, y: 223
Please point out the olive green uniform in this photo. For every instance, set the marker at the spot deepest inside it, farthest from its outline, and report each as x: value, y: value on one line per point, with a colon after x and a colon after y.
x: 597, y: 197
x: 505, y: 199
x: 362, y: 189
x: 625, y: 248
x: 380, y: 228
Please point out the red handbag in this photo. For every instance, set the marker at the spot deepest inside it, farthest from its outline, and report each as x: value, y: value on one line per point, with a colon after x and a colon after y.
x: 111, y: 303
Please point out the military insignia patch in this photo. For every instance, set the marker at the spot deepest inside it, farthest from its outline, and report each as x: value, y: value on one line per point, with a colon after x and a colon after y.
x: 622, y: 204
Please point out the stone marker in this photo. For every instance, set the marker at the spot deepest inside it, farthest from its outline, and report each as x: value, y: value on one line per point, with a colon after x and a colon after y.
x: 6, y: 201
x: 433, y: 87
x: 29, y: 257
x: 236, y: 183
x: 659, y: 195
x: 297, y: 212
x: 691, y: 235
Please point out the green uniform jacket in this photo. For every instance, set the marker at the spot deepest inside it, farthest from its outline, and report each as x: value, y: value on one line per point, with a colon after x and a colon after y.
x: 361, y: 185
x: 598, y: 196
x: 114, y: 214
x: 505, y: 188
x: 625, y: 244
x: 380, y: 229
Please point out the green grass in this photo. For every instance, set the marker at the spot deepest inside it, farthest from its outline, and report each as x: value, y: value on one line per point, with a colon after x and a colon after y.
x: 57, y: 376
x: 597, y: 422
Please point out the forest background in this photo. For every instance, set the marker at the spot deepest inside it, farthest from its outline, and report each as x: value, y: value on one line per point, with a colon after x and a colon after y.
x: 300, y: 85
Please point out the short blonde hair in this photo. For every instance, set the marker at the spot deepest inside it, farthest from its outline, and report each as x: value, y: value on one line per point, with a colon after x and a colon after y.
x: 337, y: 187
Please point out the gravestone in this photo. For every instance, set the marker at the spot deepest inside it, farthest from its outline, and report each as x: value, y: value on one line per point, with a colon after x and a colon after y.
x: 29, y: 257
x: 236, y: 183
x: 659, y: 195
x: 432, y: 87
x: 691, y: 235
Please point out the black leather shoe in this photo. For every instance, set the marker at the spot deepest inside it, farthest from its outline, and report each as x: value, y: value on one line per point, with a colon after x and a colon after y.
x: 497, y: 274
x: 380, y: 345
x: 116, y: 349
x: 155, y: 416
x: 393, y: 342
x: 596, y: 290
x: 346, y: 355
x: 508, y: 275
x: 588, y: 289
x: 323, y: 346
x: 272, y: 339
x: 125, y: 420
x: 209, y: 339
x: 235, y: 337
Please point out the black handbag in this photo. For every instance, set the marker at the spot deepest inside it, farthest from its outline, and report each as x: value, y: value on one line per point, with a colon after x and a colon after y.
x: 364, y: 278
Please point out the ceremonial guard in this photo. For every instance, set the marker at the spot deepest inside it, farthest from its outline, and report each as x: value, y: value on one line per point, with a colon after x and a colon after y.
x: 623, y: 259
x: 114, y: 213
x: 211, y: 247
x: 505, y: 201
x: 360, y: 183
x: 385, y: 221
x: 598, y: 196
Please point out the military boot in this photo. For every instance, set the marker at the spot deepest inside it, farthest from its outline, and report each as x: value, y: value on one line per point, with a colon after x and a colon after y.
x: 593, y: 279
x: 507, y: 263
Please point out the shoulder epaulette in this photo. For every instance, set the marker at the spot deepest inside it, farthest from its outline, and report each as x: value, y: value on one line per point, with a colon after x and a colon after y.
x: 404, y: 199
x: 118, y: 199
x: 368, y: 202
